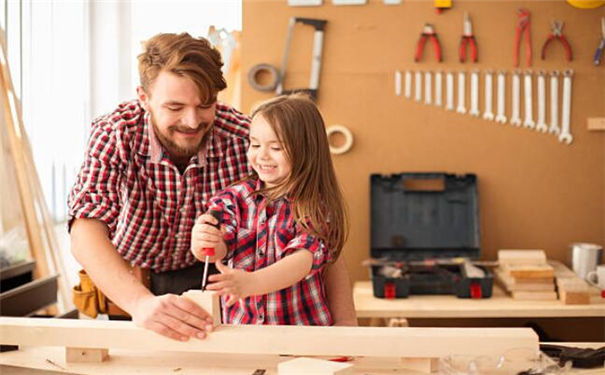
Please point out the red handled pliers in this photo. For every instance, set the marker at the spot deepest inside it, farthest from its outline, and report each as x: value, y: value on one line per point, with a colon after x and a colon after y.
x: 557, y: 33
x: 468, y: 39
x: 428, y: 32
x: 523, y: 25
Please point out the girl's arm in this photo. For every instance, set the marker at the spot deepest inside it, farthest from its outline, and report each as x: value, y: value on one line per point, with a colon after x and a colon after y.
x: 284, y: 273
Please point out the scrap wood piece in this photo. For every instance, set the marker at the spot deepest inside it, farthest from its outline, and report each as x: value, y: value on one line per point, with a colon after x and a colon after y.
x: 415, y: 342
x: 512, y: 284
x: 529, y: 271
x: 572, y: 289
x: 535, y: 296
x: 526, y: 257
x: 86, y: 355
x: 305, y: 366
x: 209, y: 301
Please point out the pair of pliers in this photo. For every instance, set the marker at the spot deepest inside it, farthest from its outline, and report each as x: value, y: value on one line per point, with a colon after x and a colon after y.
x: 523, y: 25
x: 557, y: 33
x: 599, y: 52
x: 428, y: 32
x: 468, y: 38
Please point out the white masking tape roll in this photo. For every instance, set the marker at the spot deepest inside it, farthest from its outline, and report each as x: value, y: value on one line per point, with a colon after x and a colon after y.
x: 253, y: 75
x: 346, y: 133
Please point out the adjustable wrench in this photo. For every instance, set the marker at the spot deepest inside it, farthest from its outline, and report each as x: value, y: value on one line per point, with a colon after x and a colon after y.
x: 408, y: 85
x: 418, y: 86
x: 449, y: 91
x: 438, y: 94
x: 428, y: 83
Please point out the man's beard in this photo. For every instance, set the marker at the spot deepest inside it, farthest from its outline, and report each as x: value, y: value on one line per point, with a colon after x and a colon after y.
x: 174, y: 149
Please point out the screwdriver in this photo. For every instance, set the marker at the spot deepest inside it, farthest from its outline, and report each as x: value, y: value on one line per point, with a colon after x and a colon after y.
x: 209, y: 251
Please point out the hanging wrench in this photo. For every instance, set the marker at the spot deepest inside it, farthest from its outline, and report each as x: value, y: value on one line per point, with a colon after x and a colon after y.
x: 514, y: 117
x: 397, y: 83
x: 427, y: 88
x: 488, y: 114
x: 449, y: 91
x: 438, y: 95
x: 565, y: 135
x: 408, y: 85
x: 527, y: 88
x: 554, y: 103
x: 474, y: 93
x: 541, y: 124
x: 500, y: 117
x: 461, y: 92
x: 418, y: 86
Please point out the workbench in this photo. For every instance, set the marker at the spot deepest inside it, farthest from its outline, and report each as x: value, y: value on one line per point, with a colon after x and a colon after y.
x: 500, y: 305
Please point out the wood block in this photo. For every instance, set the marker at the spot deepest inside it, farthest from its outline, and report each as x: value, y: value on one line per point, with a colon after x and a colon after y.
x: 426, y: 365
x: 306, y: 366
x: 530, y: 271
x: 526, y: 257
x: 511, y: 283
x: 209, y: 301
x: 86, y: 355
x: 596, y: 123
x: 536, y: 296
x: 573, y: 291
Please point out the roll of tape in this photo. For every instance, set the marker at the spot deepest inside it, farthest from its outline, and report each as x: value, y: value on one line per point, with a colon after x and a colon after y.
x: 346, y: 133
x: 263, y: 68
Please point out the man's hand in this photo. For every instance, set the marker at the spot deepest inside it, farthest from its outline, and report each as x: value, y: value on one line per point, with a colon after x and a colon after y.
x: 205, y: 235
x: 172, y: 316
x: 233, y: 282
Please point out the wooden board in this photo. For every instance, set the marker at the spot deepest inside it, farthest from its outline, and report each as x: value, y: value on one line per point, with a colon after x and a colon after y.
x: 306, y: 366
x: 535, y: 296
x: 529, y: 272
x: 250, y: 339
x: 525, y: 257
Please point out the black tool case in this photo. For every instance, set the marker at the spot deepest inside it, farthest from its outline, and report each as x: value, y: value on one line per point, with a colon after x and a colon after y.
x: 423, y: 227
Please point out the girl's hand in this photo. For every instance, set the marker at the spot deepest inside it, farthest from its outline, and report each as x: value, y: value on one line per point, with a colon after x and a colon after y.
x: 205, y: 235
x: 233, y: 282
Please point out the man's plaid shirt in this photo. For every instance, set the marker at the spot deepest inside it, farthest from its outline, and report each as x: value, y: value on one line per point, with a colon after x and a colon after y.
x: 258, y: 233
x: 128, y: 182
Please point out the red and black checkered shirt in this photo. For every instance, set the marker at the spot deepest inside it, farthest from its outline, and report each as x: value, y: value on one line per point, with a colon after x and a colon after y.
x: 258, y: 233
x: 129, y: 183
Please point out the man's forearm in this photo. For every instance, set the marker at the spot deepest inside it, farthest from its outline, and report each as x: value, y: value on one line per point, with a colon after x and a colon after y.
x: 340, y: 294
x: 92, y: 248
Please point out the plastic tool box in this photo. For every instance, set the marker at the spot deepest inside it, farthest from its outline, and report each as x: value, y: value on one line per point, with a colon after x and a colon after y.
x: 424, y: 234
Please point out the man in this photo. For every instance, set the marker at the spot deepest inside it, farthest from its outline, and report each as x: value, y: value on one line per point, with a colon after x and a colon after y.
x: 149, y: 170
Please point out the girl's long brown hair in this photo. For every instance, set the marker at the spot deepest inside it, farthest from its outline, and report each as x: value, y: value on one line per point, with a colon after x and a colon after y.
x: 312, y: 186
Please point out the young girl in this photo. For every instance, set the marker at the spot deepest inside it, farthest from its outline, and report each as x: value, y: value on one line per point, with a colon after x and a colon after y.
x: 280, y: 227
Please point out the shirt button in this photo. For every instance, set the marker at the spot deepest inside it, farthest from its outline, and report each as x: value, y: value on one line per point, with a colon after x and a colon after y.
x: 183, y: 209
x: 261, y: 253
x: 261, y: 317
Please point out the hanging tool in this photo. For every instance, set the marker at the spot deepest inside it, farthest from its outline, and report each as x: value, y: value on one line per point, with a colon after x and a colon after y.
x: 487, y: 113
x: 408, y: 84
x: 468, y: 39
x: 428, y: 83
x: 441, y: 5
x: 500, y: 117
x: 565, y: 135
x: 554, y: 103
x: 209, y: 251
x: 557, y: 33
x: 438, y: 79
x: 428, y: 32
x: 541, y: 123
x: 528, y: 122
x: 515, y: 118
x: 523, y: 26
x: 319, y: 26
x: 397, y: 82
x: 461, y: 92
x: 599, y: 52
x: 474, y: 110
x: 418, y: 86
x: 449, y: 91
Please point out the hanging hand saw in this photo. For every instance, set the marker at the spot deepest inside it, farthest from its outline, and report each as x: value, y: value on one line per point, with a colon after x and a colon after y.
x: 318, y: 37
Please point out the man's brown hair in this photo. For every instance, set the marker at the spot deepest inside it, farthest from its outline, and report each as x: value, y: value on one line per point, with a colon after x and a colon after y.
x: 186, y: 56
x: 312, y: 185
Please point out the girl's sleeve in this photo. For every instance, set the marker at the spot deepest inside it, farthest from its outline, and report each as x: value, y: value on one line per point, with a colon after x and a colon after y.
x: 226, y: 202
x: 317, y: 247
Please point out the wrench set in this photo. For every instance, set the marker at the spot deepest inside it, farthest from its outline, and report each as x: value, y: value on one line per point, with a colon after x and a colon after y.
x: 427, y: 88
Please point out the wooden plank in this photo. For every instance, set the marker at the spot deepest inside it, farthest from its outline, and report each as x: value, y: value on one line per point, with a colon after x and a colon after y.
x: 526, y: 257
x: 511, y: 284
x: 425, y: 365
x: 529, y: 271
x: 251, y: 339
x: 306, y: 366
x: 596, y: 123
x: 535, y: 296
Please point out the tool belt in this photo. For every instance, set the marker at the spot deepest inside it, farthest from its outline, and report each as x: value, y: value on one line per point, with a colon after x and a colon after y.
x: 90, y: 301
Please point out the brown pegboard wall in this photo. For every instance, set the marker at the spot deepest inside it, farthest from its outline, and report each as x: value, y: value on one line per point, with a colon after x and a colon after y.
x: 535, y: 192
